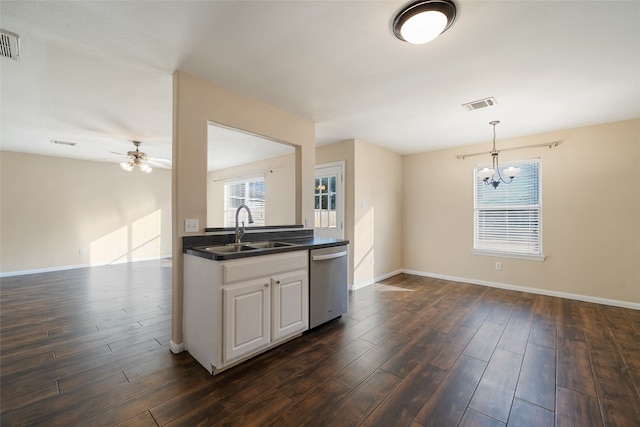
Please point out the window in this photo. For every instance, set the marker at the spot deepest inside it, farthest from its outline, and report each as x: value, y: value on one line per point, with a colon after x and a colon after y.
x: 507, y: 218
x: 250, y: 192
x: 325, y: 202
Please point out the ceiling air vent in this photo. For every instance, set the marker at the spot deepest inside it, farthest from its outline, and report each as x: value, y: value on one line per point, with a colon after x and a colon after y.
x: 9, y: 45
x: 56, y: 141
x: 476, y: 105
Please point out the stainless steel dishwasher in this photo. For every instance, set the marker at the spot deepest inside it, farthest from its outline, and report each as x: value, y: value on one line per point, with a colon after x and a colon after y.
x: 328, y: 292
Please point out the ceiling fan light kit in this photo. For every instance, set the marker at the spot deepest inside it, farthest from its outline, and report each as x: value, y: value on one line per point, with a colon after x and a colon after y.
x: 137, y: 158
x: 424, y: 20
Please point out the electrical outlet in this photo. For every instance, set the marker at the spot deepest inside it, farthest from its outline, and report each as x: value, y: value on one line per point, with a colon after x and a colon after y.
x: 498, y: 266
x: 191, y: 225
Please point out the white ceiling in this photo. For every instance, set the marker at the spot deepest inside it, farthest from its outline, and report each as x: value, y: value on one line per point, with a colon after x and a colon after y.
x: 100, y: 73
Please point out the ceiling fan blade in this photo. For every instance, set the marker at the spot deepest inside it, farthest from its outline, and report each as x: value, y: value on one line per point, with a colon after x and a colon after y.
x: 107, y: 159
x: 160, y: 160
x: 160, y: 165
x: 156, y: 162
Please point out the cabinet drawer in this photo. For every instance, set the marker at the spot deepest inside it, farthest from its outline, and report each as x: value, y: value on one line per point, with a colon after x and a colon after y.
x: 262, y: 266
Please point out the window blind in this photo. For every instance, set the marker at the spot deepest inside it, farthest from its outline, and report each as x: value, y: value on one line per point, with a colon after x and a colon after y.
x: 250, y: 192
x: 507, y: 218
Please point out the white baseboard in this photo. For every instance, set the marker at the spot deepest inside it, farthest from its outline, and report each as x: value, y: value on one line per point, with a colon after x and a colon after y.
x: 176, y: 348
x: 356, y: 286
x: 69, y: 267
x: 43, y: 270
x: 369, y: 282
x: 578, y: 297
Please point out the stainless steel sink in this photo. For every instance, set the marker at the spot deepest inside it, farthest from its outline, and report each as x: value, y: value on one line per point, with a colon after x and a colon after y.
x: 229, y: 248
x: 244, y: 247
x: 270, y: 245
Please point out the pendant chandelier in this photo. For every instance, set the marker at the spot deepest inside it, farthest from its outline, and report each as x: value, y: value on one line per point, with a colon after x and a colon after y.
x: 489, y: 175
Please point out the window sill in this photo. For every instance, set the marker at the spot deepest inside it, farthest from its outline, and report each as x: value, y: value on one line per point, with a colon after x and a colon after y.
x: 508, y: 255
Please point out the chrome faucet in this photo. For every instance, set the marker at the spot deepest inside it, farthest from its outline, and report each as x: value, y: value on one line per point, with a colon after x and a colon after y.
x: 239, y: 231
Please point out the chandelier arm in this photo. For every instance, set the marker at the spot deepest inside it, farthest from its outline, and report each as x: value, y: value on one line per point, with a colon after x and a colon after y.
x: 495, y: 182
x: 501, y: 179
x: 497, y: 169
x: 496, y: 162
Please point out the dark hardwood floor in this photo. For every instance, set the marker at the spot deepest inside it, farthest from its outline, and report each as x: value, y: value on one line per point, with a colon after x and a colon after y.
x: 91, y: 347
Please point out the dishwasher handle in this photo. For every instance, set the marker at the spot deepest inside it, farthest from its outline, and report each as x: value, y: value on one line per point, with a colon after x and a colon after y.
x: 328, y: 256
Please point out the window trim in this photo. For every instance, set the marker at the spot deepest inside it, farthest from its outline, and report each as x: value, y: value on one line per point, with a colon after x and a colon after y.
x: 506, y: 253
x: 514, y: 255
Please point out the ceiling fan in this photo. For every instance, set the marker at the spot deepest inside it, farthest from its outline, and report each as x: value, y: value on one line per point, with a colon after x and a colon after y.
x: 140, y: 159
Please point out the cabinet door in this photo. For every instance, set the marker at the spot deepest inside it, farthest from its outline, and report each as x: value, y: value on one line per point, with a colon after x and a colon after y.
x: 290, y: 294
x: 246, y: 313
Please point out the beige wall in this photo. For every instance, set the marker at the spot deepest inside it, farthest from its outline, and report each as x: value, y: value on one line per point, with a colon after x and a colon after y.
x: 377, y: 213
x: 373, y: 208
x: 279, y: 179
x: 195, y: 103
x: 590, y: 212
x: 60, y: 213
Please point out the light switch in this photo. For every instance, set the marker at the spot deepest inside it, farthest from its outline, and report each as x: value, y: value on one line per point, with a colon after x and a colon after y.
x: 191, y: 225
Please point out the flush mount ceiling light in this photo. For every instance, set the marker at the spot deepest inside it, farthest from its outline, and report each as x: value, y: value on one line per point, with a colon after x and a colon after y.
x: 488, y: 175
x: 422, y: 21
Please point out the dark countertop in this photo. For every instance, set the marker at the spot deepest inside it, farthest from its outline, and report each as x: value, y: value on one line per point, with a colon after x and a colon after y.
x: 303, y: 240
x: 261, y: 227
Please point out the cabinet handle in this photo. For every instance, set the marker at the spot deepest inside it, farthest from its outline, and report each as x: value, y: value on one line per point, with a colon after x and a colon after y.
x: 266, y: 285
x: 277, y: 282
x: 328, y: 256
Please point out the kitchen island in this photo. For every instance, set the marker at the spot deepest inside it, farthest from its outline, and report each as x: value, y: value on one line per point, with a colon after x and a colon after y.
x: 242, y: 299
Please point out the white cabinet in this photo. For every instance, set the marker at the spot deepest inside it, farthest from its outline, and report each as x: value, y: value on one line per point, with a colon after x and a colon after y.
x: 290, y: 304
x: 246, y: 319
x: 236, y: 309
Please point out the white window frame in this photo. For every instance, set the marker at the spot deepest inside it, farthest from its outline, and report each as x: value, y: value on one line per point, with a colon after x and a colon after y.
x: 258, y: 208
x: 508, y: 250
